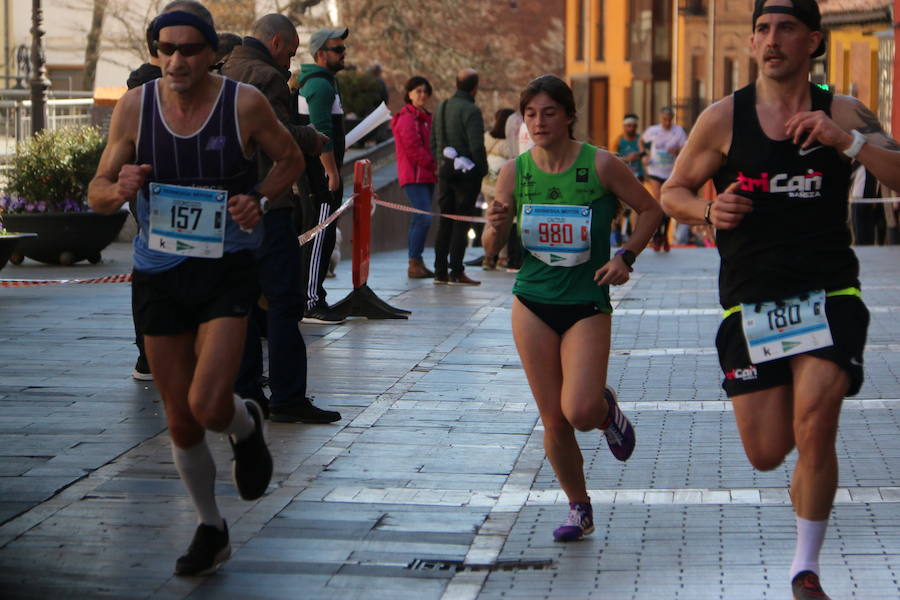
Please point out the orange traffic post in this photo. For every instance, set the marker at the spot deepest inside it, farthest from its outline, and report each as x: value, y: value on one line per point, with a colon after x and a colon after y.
x: 362, y: 301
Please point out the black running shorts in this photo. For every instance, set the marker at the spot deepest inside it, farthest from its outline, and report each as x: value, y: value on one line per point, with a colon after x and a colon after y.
x: 194, y: 292
x: 848, y: 318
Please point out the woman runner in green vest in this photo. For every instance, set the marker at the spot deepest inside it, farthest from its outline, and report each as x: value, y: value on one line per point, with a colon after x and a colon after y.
x: 563, y: 196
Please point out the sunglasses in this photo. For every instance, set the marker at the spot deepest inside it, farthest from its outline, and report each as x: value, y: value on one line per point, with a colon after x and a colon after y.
x: 191, y: 49
x: 336, y: 49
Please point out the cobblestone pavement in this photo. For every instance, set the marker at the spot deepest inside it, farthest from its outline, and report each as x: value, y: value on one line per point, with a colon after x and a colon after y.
x: 434, y: 484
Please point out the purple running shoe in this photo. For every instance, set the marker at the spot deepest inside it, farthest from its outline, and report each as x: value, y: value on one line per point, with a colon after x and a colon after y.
x: 618, y: 429
x: 579, y: 523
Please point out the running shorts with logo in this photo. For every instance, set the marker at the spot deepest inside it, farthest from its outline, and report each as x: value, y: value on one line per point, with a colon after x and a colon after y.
x: 848, y: 319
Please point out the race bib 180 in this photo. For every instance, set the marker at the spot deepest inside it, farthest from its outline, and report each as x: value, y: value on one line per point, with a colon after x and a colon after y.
x: 559, y: 235
x: 187, y: 221
x: 785, y: 328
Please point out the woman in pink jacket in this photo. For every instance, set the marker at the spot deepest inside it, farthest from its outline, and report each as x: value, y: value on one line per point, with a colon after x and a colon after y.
x: 416, y: 167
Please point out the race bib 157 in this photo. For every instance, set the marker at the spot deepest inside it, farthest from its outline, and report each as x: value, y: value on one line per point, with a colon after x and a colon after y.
x: 187, y: 221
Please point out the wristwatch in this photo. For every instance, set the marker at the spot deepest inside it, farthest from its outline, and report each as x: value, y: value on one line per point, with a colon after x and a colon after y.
x: 706, y: 213
x: 628, y: 257
x: 263, y: 200
x: 858, y: 140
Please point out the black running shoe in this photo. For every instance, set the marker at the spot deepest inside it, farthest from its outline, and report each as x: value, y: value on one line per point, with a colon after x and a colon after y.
x: 303, y: 411
x: 209, y: 549
x: 806, y: 586
x: 323, y: 315
x: 251, y: 468
x: 141, y: 371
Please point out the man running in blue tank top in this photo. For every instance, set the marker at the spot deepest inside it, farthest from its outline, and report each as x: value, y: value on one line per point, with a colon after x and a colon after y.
x: 791, y: 342
x: 182, y: 147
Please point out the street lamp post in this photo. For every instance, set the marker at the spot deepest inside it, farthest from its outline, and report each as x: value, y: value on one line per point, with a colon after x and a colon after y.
x: 39, y: 83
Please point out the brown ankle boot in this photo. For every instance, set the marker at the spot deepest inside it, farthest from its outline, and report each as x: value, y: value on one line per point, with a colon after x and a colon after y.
x: 418, y: 270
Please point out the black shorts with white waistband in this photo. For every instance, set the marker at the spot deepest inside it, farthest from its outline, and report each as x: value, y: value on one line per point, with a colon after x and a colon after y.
x: 848, y: 319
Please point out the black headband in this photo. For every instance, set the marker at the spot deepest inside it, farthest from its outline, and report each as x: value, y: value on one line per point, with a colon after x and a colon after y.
x: 180, y: 17
x: 807, y: 13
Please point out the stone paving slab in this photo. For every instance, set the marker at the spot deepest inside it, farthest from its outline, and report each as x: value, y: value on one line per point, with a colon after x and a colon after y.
x: 434, y: 484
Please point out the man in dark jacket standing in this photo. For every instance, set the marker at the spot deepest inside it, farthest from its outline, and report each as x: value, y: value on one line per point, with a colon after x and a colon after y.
x: 319, y: 104
x: 457, y: 134
x: 263, y: 61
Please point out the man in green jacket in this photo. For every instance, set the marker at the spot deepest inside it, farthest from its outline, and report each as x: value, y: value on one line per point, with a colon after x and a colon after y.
x: 458, y: 125
x: 319, y: 104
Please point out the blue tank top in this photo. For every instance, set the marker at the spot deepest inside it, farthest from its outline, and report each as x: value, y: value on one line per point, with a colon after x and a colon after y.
x: 212, y: 157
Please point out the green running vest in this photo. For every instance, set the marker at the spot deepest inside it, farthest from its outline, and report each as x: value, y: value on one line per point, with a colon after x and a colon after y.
x: 577, y: 186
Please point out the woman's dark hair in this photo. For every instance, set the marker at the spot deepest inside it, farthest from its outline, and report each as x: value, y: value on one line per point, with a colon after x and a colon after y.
x: 414, y: 82
x: 500, y: 118
x: 558, y: 91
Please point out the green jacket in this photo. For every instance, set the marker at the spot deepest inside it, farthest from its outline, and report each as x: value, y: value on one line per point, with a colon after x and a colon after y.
x: 321, y: 106
x: 465, y: 131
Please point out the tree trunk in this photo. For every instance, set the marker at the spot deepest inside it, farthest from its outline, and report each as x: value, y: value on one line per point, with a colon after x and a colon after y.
x: 92, y: 50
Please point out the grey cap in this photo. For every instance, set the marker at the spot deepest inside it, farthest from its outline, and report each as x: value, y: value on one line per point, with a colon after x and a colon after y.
x: 318, y: 38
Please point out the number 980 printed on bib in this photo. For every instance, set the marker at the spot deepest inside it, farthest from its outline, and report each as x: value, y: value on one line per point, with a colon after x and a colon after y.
x: 187, y: 221
x: 557, y: 234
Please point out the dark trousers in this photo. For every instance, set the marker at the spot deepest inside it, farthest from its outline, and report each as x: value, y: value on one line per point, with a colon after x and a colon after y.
x: 281, y: 280
x: 454, y: 197
x: 317, y: 207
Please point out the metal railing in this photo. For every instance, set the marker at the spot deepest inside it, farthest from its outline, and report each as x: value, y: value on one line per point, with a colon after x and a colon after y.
x: 15, y: 120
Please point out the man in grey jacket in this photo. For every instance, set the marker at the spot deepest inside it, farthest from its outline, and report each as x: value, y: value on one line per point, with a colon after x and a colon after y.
x: 263, y: 61
x: 458, y: 125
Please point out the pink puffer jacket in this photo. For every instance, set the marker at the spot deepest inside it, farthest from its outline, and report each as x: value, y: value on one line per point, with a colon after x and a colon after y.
x: 412, y: 130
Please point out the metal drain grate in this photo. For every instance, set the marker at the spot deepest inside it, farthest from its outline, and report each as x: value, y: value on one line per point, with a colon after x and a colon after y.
x: 455, y: 566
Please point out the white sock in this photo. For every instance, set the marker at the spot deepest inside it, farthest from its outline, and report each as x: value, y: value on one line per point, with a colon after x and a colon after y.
x: 198, y: 473
x: 242, y: 424
x: 810, y: 537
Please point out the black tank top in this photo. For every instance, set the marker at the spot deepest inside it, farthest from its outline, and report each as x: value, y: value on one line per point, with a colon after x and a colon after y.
x: 796, y: 239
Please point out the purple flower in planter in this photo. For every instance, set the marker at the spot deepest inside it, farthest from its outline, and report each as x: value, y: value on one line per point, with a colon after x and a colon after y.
x: 41, y: 206
x: 5, y: 202
x: 70, y: 205
x: 17, y: 205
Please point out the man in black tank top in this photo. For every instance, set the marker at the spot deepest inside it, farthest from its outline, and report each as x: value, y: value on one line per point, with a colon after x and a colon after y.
x: 195, y: 133
x: 792, y: 338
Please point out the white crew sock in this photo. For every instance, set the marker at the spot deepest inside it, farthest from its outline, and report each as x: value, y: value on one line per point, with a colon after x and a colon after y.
x: 810, y: 537
x: 242, y: 424
x: 198, y: 473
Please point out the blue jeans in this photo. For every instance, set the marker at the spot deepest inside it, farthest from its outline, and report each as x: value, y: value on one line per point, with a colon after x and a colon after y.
x: 419, y: 195
x: 281, y: 280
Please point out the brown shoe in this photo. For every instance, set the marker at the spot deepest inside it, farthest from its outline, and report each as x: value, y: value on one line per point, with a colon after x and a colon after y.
x: 441, y: 278
x: 462, y: 279
x: 418, y: 270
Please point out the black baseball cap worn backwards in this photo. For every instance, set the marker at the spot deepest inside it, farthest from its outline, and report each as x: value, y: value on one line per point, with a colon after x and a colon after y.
x: 805, y: 11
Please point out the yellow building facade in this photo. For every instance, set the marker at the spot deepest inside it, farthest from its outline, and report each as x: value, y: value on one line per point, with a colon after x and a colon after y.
x: 853, y: 62
x: 598, y: 67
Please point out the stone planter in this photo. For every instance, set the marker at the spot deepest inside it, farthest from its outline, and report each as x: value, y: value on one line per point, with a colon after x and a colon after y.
x: 64, y: 238
x: 8, y: 244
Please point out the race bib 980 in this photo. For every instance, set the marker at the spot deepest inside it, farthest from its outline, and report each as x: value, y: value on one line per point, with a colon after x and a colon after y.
x: 559, y: 235
x: 187, y: 221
